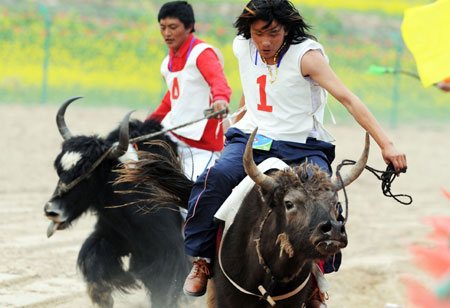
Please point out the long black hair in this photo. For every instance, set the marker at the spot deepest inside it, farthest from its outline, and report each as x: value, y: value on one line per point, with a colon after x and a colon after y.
x: 281, y: 11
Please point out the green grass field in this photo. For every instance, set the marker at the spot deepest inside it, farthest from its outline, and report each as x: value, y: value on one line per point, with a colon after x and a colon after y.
x: 111, y: 55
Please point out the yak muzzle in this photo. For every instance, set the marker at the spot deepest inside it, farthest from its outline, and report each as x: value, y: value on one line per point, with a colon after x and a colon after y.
x: 57, y: 217
x: 330, y: 237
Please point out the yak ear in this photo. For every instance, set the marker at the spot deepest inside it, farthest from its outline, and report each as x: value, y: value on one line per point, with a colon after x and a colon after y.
x: 267, y: 196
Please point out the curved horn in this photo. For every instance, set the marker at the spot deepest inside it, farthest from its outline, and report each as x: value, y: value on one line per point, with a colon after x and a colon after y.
x: 124, y: 137
x: 60, y: 122
x: 356, y: 170
x: 265, y: 181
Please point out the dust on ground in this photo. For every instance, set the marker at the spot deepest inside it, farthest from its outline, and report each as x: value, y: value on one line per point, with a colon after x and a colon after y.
x: 39, y: 272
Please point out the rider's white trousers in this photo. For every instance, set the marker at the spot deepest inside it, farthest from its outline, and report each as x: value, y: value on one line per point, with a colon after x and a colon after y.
x: 194, y: 160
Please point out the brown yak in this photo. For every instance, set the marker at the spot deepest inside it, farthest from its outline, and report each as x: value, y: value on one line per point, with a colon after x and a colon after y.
x: 287, y: 223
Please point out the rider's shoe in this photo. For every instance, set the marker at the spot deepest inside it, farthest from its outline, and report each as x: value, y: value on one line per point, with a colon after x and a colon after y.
x: 196, y: 281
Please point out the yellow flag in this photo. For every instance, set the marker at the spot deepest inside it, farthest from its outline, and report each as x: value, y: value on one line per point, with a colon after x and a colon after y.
x: 426, y: 32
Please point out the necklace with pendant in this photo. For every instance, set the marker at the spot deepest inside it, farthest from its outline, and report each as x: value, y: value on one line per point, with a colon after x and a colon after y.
x: 271, y: 78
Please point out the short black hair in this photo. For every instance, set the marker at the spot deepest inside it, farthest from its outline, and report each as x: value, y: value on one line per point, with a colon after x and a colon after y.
x: 281, y: 11
x: 178, y: 9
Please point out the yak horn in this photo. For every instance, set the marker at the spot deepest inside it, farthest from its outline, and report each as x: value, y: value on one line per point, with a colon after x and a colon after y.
x: 124, y: 137
x: 262, y: 180
x: 61, y: 123
x: 356, y: 170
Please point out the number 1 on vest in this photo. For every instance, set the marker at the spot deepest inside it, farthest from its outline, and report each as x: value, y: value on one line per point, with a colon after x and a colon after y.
x: 262, y: 94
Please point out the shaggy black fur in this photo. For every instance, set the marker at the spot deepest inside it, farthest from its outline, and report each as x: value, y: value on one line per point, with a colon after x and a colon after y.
x: 153, y: 242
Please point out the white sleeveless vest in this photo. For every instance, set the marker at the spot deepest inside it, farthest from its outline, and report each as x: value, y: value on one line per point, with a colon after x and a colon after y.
x: 291, y: 108
x: 190, y: 94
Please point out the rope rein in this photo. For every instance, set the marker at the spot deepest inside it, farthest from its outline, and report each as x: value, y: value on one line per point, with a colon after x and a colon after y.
x: 265, y: 294
x: 208, y: 115
x: 64, y: 188
x: 386, y: 177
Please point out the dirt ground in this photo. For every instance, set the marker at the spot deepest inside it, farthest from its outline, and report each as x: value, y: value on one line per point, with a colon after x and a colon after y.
x: 39, y: 272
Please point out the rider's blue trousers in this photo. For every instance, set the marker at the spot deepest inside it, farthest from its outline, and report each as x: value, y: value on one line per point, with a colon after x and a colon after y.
x: 216, y: 183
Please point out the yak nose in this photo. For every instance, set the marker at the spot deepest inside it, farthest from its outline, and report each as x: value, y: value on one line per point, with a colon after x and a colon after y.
x: 51, y: 211
x: 333, y: 229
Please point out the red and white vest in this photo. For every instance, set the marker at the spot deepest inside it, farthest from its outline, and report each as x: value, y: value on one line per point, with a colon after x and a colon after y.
x: 190, y: 94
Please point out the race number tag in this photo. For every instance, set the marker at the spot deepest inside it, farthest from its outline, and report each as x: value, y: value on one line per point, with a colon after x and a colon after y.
x: 262, y: 143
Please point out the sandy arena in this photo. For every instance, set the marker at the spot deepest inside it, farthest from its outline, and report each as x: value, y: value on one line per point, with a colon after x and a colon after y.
x: 38, y: 272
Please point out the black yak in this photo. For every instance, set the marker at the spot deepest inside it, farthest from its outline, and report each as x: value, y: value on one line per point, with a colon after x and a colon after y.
x: 152, y: 241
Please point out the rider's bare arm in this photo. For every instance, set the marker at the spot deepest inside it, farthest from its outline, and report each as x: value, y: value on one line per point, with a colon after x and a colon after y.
x: 314, y: 65
x: 241, y: 105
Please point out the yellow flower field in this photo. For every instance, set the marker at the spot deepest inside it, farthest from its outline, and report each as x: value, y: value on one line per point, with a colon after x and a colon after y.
x: 113, y: 55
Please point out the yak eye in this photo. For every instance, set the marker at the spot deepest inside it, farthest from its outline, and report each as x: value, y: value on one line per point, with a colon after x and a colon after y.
x: 289, y: 205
